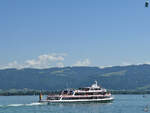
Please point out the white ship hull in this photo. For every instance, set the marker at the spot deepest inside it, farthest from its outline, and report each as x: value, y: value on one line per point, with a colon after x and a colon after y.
x: 87, y: 94
x: 79, y: 100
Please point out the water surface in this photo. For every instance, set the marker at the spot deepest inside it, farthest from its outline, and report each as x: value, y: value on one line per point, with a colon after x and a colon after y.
x: 121, y: 104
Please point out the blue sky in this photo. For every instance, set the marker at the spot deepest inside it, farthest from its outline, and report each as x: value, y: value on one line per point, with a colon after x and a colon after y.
x: 50, y: 33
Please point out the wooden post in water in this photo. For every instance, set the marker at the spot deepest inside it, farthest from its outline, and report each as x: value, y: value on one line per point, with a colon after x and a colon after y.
x: 40, y: 97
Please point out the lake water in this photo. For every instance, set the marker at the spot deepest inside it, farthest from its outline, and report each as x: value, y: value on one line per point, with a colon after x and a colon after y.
x: 121, y: 104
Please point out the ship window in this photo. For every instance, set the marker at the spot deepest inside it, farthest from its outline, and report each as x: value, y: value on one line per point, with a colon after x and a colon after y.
x: 84, y: 89
x: 65, y: 92
x: 96, y: 89
x: 53, y: 98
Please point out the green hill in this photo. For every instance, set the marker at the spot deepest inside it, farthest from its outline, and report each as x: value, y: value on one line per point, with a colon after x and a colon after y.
x: 134, y: 77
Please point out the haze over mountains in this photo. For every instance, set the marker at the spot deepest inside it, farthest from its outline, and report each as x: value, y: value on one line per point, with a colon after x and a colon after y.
x: 133, y: 77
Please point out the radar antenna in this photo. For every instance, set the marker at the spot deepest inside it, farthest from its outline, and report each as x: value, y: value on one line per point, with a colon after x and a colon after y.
x: 95, y: 83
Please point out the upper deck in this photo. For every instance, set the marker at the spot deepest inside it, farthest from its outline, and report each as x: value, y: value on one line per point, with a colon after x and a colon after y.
x: 93, y: 88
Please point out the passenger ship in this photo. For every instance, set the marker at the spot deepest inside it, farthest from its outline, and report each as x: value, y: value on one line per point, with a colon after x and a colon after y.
x: 87, y: 94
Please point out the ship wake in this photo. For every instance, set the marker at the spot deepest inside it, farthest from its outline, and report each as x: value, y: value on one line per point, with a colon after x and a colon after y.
x: 18, y: 105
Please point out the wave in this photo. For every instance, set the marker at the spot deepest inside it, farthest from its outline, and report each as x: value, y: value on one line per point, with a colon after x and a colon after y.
x: 14, y: 105
x: 35, y: 104
x: 1, y: 105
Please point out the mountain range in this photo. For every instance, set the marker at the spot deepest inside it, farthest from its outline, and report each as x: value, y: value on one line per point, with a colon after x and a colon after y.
x: 132, y: 77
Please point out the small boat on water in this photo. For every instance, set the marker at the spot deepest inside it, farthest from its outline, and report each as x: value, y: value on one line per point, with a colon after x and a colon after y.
x: 94, y: 93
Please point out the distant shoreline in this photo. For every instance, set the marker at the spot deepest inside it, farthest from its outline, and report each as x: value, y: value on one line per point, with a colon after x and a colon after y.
x: 16, y: 92
x: 130, y: 92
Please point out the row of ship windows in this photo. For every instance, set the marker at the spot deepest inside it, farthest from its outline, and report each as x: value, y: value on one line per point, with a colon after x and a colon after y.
x: 53, y: 98
x: 91, y: 93
x: 83, y: 98
x: 87, y: 89
x: 75, y: 98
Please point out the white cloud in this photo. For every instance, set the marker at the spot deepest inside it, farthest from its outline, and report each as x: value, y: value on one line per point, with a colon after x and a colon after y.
x: 102, y: 67
x: 56, y: 60
x: 42, y: 61
x: 59, y: 64
x: 124, y: 64
x: 129, y: 63
x: 52, y: 57
x: 13, y: 64
x: 147, y: 62
x: 85, y: 62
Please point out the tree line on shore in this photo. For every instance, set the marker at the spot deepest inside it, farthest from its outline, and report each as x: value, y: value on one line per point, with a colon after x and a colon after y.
x: 128, y: 78
x: 14, y: 92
